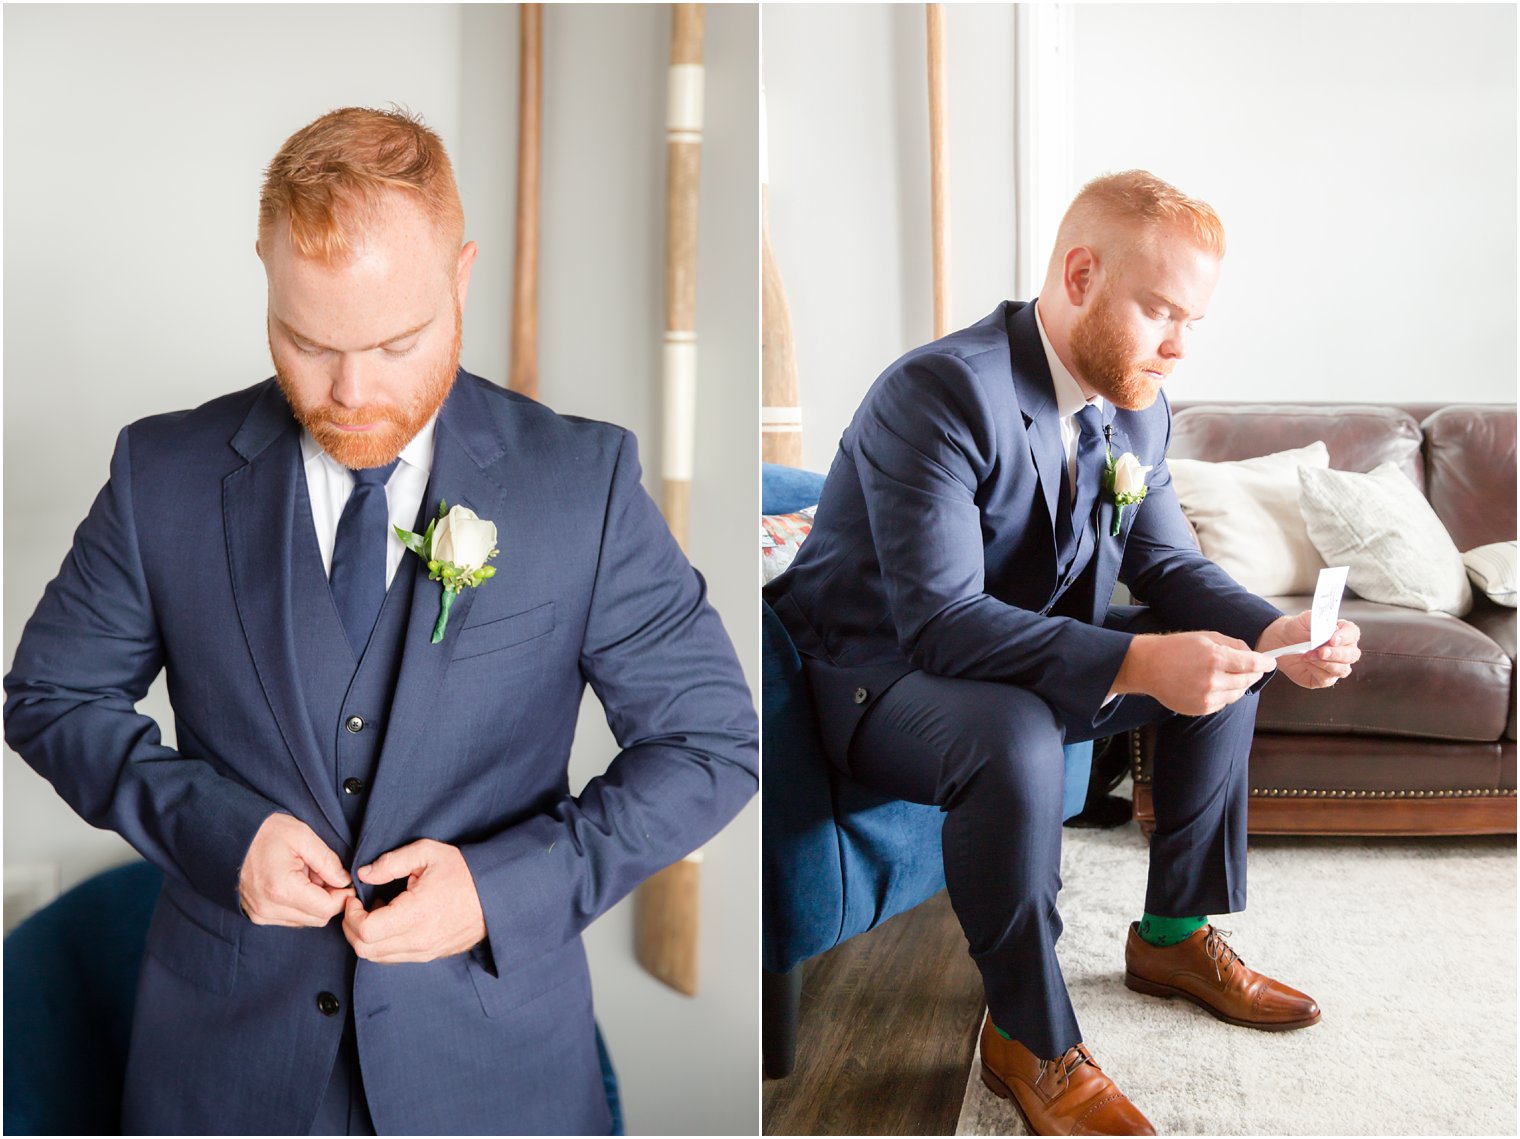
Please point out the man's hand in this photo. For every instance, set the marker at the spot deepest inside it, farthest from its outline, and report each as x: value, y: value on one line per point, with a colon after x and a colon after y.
x: 1191, y: 673
x: 1317, y: 668
x: 436, y: 916
x: 290, y: 877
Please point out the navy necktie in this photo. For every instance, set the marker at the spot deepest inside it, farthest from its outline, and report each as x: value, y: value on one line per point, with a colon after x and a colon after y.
x: 358, y: 562
x: 1091, y: 461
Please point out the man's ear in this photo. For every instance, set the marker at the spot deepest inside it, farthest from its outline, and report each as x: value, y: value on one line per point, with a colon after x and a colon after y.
x: 462, y: 272
x: 1078, y: 271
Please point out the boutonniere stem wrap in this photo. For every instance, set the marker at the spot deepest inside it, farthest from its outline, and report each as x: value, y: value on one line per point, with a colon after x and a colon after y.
x: 456, y: 546
x: 1124, y: 479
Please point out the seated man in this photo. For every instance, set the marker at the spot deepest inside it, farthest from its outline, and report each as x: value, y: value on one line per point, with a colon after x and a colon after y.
x: 952, y: 610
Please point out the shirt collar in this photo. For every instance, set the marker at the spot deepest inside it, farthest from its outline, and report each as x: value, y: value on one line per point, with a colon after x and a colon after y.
x: 1069, y: 397
x: 417, y: 453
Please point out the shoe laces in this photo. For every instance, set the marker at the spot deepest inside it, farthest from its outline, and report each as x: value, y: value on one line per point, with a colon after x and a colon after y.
x: 1073, y: 1058
x: 1219, y: 952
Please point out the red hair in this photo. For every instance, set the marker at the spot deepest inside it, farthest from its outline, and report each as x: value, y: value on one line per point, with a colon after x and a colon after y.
x: 1115, y: 212
x: 331, y: 176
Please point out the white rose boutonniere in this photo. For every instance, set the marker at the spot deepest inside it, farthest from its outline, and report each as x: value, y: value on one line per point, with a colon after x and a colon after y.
x: 456, y: 546
x: 1124, y: 479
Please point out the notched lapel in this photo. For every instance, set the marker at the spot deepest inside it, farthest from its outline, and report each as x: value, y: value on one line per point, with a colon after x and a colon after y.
x: 1110, y: 551
x: 465, y: 445
x: 258, y: 512
x: 1037, y: 402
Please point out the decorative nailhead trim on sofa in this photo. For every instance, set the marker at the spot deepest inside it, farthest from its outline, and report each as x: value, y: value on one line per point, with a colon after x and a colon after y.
x: 1307, y: 793
x: 1312, y: 793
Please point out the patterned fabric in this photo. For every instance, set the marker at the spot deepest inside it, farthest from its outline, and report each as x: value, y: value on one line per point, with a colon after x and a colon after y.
x: 780, y: 537
x: 1492, y: 569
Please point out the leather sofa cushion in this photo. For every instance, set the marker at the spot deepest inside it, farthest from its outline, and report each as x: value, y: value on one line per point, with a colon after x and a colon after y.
x: 1284, y: 763
x: 1421, y: 674
x: 1359, y: 436
x: 1497, y: 622
x: 1470, y: 472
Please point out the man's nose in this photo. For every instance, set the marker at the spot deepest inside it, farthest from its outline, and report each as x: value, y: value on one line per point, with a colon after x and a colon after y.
x: 348, y: 381
x: 1174, y: 347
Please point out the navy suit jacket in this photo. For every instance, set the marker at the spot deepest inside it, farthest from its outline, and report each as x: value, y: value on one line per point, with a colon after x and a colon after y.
x: 182, y: 565
x: 935, y: 544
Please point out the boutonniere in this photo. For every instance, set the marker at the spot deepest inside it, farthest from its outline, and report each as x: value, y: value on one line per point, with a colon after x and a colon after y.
x: 1124, y: 480
x: 456, y: 546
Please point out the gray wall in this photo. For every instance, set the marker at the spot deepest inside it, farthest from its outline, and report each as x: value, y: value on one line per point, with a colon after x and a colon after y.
x: 135, y: 138
x: 1362, y: 158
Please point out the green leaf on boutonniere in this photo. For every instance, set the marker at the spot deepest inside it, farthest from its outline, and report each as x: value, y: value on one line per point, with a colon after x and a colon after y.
x: 1121, y: 499
x: 461, y: 534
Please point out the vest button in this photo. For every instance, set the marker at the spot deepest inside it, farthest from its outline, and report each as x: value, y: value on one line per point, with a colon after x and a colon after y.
x: 860, y: 695
x: 354, y: 724
x: 353, y: 786
x: 328, y: 1005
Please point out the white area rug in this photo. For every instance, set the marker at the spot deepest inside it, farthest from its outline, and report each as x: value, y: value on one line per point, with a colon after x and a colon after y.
x: 1408, y: 945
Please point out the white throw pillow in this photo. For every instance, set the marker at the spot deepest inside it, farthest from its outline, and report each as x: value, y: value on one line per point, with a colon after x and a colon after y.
x: 1247, y: 517
x: 1380, y: 525
x: 1492, y: 569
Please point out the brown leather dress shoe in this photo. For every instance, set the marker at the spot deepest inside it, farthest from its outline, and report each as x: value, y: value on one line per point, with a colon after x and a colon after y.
x: 1206, y: 971
x: 1068, y: 1096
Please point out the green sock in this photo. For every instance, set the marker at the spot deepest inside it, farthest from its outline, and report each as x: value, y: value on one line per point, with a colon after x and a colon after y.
x: 1001, y: 1033
x: 1169, y: 931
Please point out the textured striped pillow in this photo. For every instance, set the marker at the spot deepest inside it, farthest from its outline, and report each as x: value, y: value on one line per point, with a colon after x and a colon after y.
x: 1380, y: 525
x: 1492, y: 569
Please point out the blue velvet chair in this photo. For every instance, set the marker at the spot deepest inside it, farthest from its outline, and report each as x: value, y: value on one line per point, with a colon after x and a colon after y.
x: 70, y: 987
x: 837, y: 859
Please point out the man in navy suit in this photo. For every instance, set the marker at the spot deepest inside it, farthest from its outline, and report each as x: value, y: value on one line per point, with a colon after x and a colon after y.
x: 376, y: 874
x: 952, y: 609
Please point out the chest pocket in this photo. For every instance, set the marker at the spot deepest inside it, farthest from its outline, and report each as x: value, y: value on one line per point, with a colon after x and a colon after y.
x: 505, y: 632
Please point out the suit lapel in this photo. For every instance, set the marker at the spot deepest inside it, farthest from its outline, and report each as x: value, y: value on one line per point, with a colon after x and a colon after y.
x: 466, y: 444
x: 1037, y: 400
x: 258, y: 512
x: 1110, y: 549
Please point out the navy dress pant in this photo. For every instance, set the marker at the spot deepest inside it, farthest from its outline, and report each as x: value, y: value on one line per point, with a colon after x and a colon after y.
x: 989, y: 755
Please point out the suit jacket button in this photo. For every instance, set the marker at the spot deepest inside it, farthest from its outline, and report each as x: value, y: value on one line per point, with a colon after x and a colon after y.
x: 354, y: 724
x: 353, y: 786
x: 328, y: 1005
x: 861, y: 695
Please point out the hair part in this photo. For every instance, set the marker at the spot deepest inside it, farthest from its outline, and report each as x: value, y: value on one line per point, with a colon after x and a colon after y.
x: 331, y: 178
x: 1115, y: 214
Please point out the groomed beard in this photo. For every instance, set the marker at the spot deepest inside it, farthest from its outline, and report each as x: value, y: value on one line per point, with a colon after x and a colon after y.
x: 1103, y: 351
x: 377, y: 447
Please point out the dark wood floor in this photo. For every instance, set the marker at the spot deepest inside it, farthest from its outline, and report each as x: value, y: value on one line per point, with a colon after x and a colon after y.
x: 888, y: 1028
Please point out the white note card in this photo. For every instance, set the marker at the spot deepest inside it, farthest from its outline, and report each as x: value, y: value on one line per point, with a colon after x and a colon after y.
x: 1325, y: 613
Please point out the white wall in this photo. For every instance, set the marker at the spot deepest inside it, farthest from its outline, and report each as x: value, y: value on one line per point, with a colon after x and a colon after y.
x: 135, y: 139
x: 848, y: 132
x: 1362, y: 158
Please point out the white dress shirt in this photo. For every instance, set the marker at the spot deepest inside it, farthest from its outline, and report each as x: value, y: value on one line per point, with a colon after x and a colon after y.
x: 329, y: 483
x: 1069, y: 401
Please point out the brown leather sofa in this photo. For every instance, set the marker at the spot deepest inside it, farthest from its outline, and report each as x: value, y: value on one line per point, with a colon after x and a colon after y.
x: 1420, y: 739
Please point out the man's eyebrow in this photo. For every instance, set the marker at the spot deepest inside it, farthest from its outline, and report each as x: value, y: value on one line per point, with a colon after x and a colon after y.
x: 299, y: 335
x: 1171, y: 304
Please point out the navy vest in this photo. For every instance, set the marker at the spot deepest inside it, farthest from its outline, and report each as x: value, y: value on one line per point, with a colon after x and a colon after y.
x: 348, y: 702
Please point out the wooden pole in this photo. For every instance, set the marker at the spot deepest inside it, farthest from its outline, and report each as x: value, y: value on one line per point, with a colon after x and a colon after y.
x: 683, y: 159
x: 523, y: 376
x: 939, y: 173
x: 666, y: 906
x: 780, y: 398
